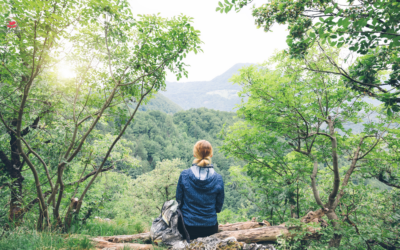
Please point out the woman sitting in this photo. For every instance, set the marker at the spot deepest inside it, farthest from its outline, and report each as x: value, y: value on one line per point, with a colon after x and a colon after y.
x: 200, y: 191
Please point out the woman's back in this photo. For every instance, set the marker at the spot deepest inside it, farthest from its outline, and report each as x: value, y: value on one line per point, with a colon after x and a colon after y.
x: 201, y: 193
x: 201, y: 200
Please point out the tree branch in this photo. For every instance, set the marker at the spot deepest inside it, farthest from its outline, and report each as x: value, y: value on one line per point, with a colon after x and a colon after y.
x: 88, y: 175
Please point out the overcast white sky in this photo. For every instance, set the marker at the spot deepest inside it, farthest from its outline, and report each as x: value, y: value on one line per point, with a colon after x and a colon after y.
x: 228, y: 38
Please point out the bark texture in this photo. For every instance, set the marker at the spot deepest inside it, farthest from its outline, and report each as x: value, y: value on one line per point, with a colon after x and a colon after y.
x: 248, y: 232
x: 143, y: 237
x: 100, y: 243
x: 241, y: 226
x: 255, y: 235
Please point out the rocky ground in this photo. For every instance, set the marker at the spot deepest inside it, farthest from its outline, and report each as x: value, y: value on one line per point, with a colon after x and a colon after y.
x: 212, y: 243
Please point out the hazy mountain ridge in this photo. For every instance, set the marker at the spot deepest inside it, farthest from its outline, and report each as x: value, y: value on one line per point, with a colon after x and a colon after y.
x: 218, y: 94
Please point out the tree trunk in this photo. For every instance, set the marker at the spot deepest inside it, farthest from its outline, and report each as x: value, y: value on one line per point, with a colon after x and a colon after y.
x: 16, y: 210
x: 240, y: 226
x: 249, y: 232
x: 101, y: 243
x: 14, y: 170
x: 143, y: 237
x: 272, y: 233
x: 70, y: 213
x: 255, y: 234
x: 252, y: 235
x: 335, y: 241
x: 39, y: 225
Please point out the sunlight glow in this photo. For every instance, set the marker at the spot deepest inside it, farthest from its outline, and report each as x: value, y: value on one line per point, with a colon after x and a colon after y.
x: 64, y: 70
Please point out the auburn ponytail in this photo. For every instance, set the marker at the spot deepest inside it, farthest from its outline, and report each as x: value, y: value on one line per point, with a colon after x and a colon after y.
x: 203, y: 152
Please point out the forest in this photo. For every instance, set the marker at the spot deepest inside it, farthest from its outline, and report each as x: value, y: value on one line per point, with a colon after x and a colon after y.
x: 97, y: 152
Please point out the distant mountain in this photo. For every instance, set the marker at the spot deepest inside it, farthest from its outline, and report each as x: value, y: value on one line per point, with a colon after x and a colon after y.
x: 161, y: 103
x: 217, y: 94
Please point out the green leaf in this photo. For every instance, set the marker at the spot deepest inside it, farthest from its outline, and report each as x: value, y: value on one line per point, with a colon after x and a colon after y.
x: 328, y: 10
x: 227, y: 9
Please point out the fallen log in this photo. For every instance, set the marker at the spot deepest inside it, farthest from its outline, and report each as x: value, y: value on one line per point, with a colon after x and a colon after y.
x: 254, y: 235
x: 271, y: 233
x: 310, y: 217
x: 241, y: 226
x: 248, y: 232
x: 100, y: 243
x: 143, y: 237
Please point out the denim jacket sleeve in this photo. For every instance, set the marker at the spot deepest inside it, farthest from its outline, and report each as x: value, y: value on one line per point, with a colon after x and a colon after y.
x: 220, y: 198
x: 179, y: 191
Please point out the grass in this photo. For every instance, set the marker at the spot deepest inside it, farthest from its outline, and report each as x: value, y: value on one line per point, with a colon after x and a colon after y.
x: 27, y: 239
x: 108, y: 228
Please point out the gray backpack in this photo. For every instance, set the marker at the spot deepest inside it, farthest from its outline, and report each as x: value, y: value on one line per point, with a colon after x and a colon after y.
x: 165, y: 227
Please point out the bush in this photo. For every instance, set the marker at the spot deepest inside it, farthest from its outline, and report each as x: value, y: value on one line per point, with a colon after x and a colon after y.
x: 228, y: 215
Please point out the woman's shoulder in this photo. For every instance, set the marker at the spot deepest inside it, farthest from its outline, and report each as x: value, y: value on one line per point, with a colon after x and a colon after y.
x: 219, y: 177
x: 185, y: 172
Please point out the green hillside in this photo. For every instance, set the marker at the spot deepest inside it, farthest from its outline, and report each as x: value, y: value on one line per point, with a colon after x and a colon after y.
x: 157, y: 136
x: 161, y: 103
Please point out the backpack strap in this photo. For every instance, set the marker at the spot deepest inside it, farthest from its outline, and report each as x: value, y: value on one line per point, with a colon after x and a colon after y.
x: 187, y: 236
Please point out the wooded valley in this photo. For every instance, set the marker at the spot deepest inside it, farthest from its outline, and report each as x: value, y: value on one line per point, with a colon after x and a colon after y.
x: 306, y: 142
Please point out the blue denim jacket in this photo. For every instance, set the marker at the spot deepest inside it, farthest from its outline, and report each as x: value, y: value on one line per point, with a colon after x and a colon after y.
x: 201, y: 200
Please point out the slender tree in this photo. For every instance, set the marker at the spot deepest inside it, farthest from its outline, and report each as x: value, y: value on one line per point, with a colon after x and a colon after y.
x: 296, y: 120
x: 117, y: 60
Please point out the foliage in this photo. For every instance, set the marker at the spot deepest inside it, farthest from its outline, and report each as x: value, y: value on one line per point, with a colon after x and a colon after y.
x: 369, y: 28
x: 152, y: 138
x: 148, y: 192
x: 158, y: 136
x: 116, y: 60
x: 295, y: 126
x: 382, y: 164
x: 113, y: 193
x: 228, y: 216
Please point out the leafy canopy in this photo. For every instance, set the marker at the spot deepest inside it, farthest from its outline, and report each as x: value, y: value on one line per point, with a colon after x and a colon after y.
x: 369, y: 28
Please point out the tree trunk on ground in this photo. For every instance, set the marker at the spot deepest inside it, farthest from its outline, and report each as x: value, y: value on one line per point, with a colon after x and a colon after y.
x: 249, y: 232
x: 143, y: 237
x: 255, y: 235
x: 240, y: 226
x: 272, y: 233
x: 101, y: 243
